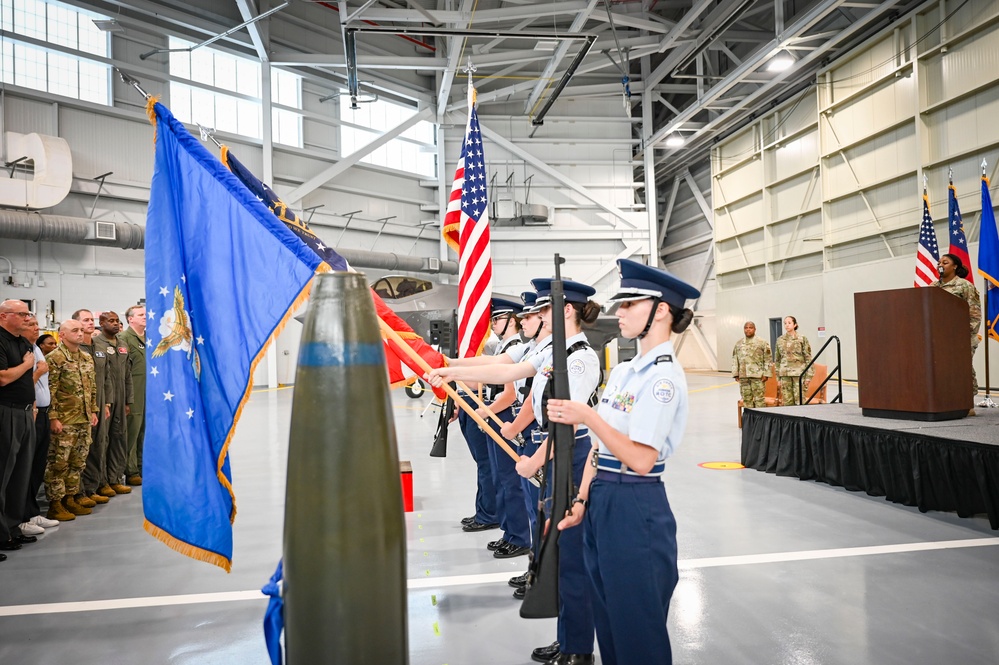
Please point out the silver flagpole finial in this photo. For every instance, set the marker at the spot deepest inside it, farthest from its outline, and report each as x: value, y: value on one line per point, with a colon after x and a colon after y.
x: 208, y: 134
x: 132, y: 81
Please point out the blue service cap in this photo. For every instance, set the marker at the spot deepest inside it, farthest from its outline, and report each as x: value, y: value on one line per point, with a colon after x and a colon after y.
x: 639, y: 281
x: 530, y: 299
x: 574, y: 291
x: 501, y: 306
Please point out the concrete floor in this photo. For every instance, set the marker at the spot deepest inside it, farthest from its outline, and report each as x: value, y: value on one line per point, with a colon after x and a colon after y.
x: 773, y: 570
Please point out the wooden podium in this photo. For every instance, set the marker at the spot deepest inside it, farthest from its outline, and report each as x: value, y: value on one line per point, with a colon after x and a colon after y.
x: 913, y: 354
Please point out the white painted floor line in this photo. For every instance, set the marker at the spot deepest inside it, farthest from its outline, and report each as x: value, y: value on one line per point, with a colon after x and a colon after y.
x: 812, y: 555
x: 493, y: 578
x: 129, y: 603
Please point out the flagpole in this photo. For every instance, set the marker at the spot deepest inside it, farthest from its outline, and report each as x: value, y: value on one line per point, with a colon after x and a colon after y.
x: 986, y: 403
x: 129, y: 80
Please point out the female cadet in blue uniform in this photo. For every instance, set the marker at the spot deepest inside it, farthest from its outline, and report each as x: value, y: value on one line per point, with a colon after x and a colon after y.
x: 511, y: 508
x: 629, y: 531
x: 575, y: 619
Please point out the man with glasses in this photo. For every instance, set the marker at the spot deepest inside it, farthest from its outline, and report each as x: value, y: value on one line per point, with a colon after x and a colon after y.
x: 17, y: 418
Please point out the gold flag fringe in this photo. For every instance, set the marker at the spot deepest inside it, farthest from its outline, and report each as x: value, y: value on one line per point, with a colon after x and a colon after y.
x: 187, y: 549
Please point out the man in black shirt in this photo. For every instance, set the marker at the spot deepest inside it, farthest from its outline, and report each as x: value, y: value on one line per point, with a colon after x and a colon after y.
x: 17, y: 401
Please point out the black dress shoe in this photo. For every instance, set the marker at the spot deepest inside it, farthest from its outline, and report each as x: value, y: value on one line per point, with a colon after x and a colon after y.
x: 572, y: 659
x: 25, y: 539
x: 519, y: 594
x: 494, y: 545
x: 10, y: 545
x: 3, y: 557
x: 479, y: 526
x: 467, y: 520
x: 509, y: 550
x: 518, y: 582
x: 544, y: 654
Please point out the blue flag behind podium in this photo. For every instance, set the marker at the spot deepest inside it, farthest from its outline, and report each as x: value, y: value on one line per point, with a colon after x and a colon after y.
x: 223, y: 274
x: 988, y: 260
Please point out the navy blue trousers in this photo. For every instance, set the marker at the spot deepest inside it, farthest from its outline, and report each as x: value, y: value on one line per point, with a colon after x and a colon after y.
x: 530, y: 491
x: 509, y: 496
x: 485, y: 490
x: 575, y: 614
x: 630, y: 548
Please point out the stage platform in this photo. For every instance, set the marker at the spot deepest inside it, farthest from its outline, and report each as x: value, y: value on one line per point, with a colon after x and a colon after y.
x: 948, y: 466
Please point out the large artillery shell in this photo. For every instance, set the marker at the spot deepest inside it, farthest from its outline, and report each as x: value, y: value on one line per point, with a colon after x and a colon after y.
x: 344, y: 533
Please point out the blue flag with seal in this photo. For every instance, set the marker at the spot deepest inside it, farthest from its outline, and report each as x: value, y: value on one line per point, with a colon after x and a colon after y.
x: 223, y: 274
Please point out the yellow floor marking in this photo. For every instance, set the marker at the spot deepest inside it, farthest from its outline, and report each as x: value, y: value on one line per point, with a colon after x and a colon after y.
x: 721, y: 466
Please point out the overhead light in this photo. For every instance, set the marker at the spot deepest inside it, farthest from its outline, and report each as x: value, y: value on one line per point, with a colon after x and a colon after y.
x: 674, y: 141
x: 546, y: 45
x: 780, y: 62
x: 108, y: 25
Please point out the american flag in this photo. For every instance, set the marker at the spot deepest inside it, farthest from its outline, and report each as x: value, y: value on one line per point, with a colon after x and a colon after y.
x: 958, y: 243
x: 466, y: 230
x: 928, y: 255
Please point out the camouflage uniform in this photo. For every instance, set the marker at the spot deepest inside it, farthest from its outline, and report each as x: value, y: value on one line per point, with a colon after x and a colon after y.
x: 751, y: 365
x: 791, y: 355
x: 73, y: 386
x: 967, y: 292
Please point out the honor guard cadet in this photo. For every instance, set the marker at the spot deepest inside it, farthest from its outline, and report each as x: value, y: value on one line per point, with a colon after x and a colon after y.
x: 538, y: 338
x: 628, y: 529
x: 510, y: 507
x: 751, y: 366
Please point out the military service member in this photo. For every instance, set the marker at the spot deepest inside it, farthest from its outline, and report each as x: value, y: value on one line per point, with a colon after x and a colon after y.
x: 92, y: 489
x: 952, y: 280
x: 792, y: 354
x: 751, y: 366
x: 118, y: 384
x: 72, y: 414
x: 135, y: 339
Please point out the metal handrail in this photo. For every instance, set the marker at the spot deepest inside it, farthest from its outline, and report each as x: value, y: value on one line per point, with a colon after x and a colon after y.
x: 838, y: 371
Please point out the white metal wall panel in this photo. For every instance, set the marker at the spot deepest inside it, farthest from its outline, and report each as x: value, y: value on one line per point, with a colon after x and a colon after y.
x: 797, y: 155
x: 889, y: 155
x: 795, y: 196
x: 738, y: 183
x: 881, y: 108
x: 795, y: 237
x: 966, y: 66
x: 963, y: 126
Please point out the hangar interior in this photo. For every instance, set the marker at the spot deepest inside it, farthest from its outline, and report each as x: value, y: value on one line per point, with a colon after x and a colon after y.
x: 773, y: 154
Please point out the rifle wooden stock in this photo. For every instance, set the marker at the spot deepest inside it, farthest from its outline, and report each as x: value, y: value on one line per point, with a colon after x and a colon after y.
x: 394, y: 336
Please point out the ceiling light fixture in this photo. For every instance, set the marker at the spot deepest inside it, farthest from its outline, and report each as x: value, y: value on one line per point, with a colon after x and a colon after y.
x: 108, y: 25
x: 780, y: 62
x: 675, y: 140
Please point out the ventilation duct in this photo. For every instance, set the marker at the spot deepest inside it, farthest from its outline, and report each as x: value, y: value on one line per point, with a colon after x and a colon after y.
x: 20, y: 225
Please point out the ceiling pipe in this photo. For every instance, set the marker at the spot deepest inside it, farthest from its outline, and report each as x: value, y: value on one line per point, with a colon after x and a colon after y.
x: 35, y: 227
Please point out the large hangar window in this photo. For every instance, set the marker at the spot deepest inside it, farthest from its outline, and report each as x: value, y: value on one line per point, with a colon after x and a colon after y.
x: 64, y: 69
x: 224, y: 93
x: 414, y: 151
